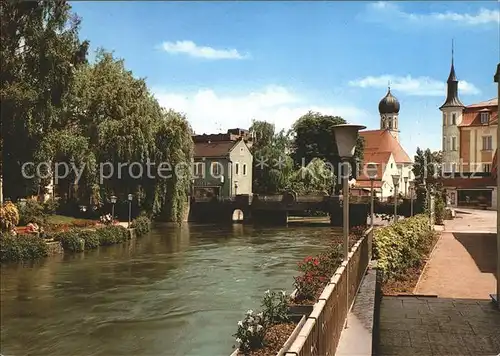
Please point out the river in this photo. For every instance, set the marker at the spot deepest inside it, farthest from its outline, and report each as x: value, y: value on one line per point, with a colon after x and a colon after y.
x: 177, y: 291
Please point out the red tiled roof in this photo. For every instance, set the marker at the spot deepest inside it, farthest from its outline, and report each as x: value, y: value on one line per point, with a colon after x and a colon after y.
x: 472, y: 113
x: 491, y: 102
x: 380, y: 158
x: 213, y: 149
x: 378, y: 141
x: 473, y: 118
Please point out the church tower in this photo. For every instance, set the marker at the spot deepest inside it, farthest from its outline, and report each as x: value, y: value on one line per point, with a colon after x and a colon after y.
x: 452, y: 110
x: 389, y: 111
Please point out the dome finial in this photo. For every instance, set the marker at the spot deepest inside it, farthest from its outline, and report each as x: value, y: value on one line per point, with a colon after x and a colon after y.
x: 452, y: 50
x: 389, y: 85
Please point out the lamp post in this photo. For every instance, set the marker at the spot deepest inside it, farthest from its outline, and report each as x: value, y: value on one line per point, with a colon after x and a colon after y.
x: 395, y: 181
x: 406, y: 186
x: 371, y: 171
x: 412, y: 187
x: 497, y: 80
x: 130, y: 197
x: 113, y: 202
x: 346, y: 136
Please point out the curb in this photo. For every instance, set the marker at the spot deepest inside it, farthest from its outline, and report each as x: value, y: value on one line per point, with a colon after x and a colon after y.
x: 426, y: 264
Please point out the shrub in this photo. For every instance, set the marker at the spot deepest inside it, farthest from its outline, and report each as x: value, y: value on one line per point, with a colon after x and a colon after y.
x: 71, y: 241
x: 9, y: 217
x: 142, y: 225
x: 251, y: 332
x: 275, y: 308
x: 440, y: 210
x: 402, y: 245
x: 50, y: 206
x: 111, y: 235
x: 31, y: 211
x: 21, y: 248
x: 90, y: 237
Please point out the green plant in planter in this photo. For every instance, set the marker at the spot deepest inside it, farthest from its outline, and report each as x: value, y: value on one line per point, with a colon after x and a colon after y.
x: 275, y: 307
x: 251, y: 332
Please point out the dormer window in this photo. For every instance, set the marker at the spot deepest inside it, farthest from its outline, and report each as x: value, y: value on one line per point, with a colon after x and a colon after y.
x: 485, y: 118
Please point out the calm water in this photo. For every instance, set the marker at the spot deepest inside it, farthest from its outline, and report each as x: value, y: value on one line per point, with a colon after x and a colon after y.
x: 178, y: 291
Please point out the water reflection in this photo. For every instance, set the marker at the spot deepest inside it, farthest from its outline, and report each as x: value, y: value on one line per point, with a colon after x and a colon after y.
x: 178, y: 291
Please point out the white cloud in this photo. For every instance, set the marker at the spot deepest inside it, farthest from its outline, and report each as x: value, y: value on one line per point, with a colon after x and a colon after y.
x: 192, y: 49
x: 209, y: 111
x: 392, y: 10
x: 420, y: 86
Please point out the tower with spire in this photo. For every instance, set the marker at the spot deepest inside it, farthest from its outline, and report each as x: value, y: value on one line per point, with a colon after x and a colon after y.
x: 452, y: 110
x: 389, y: 112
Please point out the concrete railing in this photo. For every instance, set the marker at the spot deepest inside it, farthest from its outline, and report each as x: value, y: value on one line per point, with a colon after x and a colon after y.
x: 321, y: 332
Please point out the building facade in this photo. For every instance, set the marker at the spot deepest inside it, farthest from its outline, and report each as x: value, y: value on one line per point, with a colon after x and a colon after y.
x: 383, y: 148
x: 468, y: 146
x: 222, y: 166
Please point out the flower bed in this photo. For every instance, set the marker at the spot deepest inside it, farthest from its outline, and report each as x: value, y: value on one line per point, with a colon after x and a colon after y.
x: 401, y: 250
x: 256, y: 335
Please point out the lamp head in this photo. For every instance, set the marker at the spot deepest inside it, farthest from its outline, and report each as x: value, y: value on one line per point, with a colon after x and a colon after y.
x: 345, y: 138
x: 113, y: 199
x: 405, y: 179
x: 395, y: 179
x: 371, y: 170
x: 130, y: 197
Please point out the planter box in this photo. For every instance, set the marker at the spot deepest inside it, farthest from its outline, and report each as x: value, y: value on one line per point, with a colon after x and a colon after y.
x: 296, y: 312
x: 290, y: 339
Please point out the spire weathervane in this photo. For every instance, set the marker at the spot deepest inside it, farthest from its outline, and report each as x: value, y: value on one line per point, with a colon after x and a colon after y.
x: 452, y: 49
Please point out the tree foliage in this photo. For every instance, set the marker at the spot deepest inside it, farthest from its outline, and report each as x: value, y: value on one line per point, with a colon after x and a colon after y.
x: 57, y: 107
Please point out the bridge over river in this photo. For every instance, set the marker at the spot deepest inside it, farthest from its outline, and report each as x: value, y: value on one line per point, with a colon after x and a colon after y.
x: 178, y: 291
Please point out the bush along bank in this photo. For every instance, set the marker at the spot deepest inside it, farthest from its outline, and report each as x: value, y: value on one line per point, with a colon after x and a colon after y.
x: 267, y: 333
x: 141, y: 225
x: 401, y: 250
x: 25, y: 247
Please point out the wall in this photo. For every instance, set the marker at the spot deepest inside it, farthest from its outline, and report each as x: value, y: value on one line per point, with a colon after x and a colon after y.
x: 449, y: 131
x: 206, y: 179
x: 473, y: 156
x: 240, y: 154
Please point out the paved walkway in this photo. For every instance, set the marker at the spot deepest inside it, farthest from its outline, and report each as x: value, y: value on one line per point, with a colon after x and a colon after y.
x: 436, y: 326
x: 463, y: 264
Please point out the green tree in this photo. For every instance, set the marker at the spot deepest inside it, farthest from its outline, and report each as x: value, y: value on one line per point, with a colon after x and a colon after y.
x: 314, y: 138
x: 426, y: 168
x: 39, y: 53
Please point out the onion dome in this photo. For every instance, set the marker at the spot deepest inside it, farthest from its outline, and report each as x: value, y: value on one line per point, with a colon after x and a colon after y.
x: 389, y: 104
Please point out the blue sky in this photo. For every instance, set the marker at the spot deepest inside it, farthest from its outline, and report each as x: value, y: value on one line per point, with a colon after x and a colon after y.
x: 226, y: 63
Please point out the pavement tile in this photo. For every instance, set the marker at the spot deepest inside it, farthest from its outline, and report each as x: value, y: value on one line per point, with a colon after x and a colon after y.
x: 454, y: 327
x: 481, y: 345
x: 404, y: 351
x: 419, y: 339
x: 446, y: 339
x: 448, y: 350
x: 394, y: 338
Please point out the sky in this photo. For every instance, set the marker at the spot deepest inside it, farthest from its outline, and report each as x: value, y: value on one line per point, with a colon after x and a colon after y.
x: 224, y: 64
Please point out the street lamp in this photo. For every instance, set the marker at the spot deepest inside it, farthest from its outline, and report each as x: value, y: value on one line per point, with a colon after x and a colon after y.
x: 346, y: 136
x: 406, y: 185
x: 113, y: 202
x: 412, y: 188
x: 130, y: 197
x: 395, y: 181
x: 497, y: 80
x: 371, y: 171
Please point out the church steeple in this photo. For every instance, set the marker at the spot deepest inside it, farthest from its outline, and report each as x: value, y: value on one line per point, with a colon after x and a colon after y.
x: 452, y: 99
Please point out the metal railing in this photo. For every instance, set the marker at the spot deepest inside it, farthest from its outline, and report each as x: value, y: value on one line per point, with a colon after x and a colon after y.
x: 321, y: 332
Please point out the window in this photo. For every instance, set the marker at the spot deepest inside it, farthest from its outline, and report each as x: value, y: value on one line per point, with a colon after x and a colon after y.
x: 198, y: 168
x: 390, y: 124
x: 444, y: 143
x: 216, y: 168
x: 484, y: 118
x: 236, y: 168
x: 444, y: 119
x: 453, y: 143
x: 453, y: 119
x: 486, y: 167
x: 244, y: 169
x: 391, y: 165
x: 487, y: 143
x: 453, y: 167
